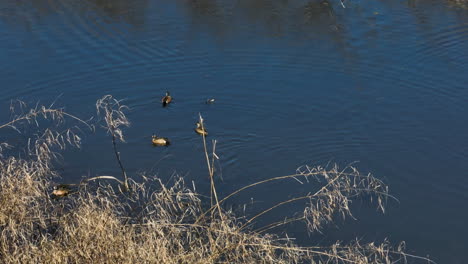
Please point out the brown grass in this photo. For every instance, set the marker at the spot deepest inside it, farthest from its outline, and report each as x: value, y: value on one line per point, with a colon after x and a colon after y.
x: 152, y: 222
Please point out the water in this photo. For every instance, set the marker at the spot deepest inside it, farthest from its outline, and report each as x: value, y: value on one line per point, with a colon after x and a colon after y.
x: 295, y: 82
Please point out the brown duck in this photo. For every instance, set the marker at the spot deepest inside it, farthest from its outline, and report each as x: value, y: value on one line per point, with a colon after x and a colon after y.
x: 61, y: 190
x: 160, y: 141
x: 166, y: 99
x: 201, y: 130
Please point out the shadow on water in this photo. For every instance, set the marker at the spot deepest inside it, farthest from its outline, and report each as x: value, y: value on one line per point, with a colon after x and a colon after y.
x: 278, y: 18
x: 129, y: 12
x: 27, y: 14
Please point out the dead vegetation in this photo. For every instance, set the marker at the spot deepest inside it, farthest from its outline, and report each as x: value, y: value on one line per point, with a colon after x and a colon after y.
x: 152, y: 222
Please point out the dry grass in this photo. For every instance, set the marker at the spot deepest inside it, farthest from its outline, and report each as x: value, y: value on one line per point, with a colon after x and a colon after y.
x: 154, y: 222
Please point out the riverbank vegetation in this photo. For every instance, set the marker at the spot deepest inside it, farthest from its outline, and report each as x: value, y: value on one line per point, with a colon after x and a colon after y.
x: 115, y: 219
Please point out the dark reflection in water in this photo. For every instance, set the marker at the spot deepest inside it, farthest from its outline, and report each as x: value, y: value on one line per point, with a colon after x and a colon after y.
x: 28, y: 13
x: 130, y: 12
x: 295, y: 82
x: 314, y: 10
x: 19, y: 12
x: 277, y: 17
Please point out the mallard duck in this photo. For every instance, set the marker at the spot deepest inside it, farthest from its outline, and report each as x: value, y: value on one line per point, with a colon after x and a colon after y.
x: 61, y: 190
x: 210, y: 101
x: 160, y: 141
x: 201, y: 130
x: 166, y: 99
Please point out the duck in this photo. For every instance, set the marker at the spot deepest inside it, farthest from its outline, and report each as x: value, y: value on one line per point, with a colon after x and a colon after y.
x: 160, y: 141
x: 210, y: 101
x: 201, y: 130
x: 166, y: 99
x: 61, y: 190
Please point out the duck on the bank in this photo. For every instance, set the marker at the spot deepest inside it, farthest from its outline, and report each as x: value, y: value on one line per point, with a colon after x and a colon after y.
x: 166, y: 99
x: 160, y: 141
x: 201, y: 130
x: 61, y: 190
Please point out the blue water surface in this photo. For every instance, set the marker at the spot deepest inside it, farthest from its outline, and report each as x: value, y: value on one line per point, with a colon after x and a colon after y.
x: 383, y: 83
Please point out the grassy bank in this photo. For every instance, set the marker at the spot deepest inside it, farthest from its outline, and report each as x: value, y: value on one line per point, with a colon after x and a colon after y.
x: 114, y: 219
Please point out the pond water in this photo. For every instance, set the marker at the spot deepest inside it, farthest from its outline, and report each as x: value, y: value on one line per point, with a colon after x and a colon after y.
x: 299, y: 82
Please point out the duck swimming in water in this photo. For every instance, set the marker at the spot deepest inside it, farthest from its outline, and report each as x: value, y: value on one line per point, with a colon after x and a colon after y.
x: 61, y: 190
x: 166, y: 99
x: 160, y: 141
x: 201, y: 130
